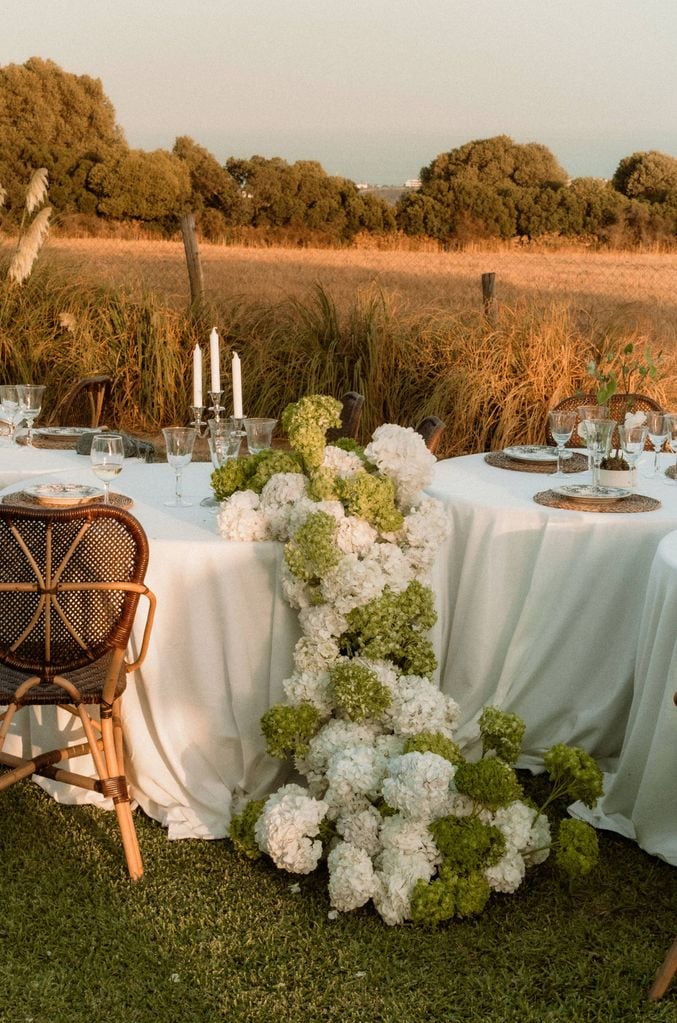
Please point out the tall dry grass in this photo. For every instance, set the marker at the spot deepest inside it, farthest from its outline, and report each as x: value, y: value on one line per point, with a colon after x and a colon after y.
x: 491, y: 381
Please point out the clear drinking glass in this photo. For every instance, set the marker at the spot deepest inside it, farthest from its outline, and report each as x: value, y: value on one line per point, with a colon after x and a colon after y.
x: 10, y: 412
x: 107, y: 456
x: 598, y: 434
x: 657, y: 426
x: 561, y: 427
x: 259, y: 434
x: 585, y: 413
x: 633, y: 439
x: 179, y: 441
x: 30, y: 403
x: 224, y: 444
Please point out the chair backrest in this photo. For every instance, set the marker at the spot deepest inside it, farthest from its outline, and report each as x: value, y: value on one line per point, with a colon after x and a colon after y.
x: 351, y: 414
x: 431, y: 429
x: 69, y: 585
x: 83, y: 404
x: 618, y: 405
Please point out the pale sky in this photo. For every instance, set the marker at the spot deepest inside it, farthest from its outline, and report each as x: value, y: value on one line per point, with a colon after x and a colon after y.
x: 373, y: 89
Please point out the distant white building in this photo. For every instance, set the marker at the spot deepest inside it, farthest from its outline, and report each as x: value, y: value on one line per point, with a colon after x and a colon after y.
x: 362, y: 185
x: 413, y: 183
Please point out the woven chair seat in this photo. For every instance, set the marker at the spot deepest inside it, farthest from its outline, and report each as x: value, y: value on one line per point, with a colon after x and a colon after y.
x: 88, y: 681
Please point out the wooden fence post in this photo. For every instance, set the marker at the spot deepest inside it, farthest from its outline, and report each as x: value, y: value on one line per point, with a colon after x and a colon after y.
x: 488, y: 296
x: 193, y: 263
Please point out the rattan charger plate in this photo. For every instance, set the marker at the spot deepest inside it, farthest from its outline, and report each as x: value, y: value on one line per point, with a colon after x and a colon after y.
x: 499, y: 459
x: 26, y: 500
x: 634, y: 503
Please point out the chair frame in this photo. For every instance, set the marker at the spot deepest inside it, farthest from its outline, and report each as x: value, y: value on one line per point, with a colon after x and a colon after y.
x: 431, y: 429
x: 43, y: 660
x: 351, y: 414
x: 97, y: 391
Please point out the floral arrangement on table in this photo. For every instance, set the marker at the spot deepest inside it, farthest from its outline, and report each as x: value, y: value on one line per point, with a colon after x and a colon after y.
x: 400, y: 815
x: 615, y: 373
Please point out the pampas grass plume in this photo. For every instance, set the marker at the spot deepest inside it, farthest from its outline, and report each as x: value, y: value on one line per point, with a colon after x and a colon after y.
x: 37, y: 190
x: 27, y: 252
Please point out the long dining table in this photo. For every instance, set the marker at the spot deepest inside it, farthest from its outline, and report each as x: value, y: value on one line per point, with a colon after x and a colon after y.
x: 538, y: 612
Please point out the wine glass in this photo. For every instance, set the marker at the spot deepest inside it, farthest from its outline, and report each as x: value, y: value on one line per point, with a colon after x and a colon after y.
x: 224, y: 444
x: 10, y: 412
x: 584, y: 413
x: 633, y: 439
x: 106, y: 457
x: 179, y: 441
x: 657, y: 426
x: 598, y: 434
x: 259, y: 434
x: 30, y: 403
x: 562, y: 425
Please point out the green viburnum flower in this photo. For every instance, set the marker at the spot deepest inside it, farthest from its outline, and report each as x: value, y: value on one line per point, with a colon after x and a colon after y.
x: 358, y: 691
x: 472, y: 894
x: 371, y: 498
x: 391, y: 627
x: 577, y: 848
x: 433, y: 902
x: 268, y: 463
x: 230, y: 477
x: 348, y: 444
x: 322, y: 484
x: 306, y: 423
x: 502, y: 732
x: 288, y: 730
x: 312, y: 551
x: 434, y: 742
x: 490, y: 782
x: 241, y: 831
x: 467, y: 844
x: 573, y: 773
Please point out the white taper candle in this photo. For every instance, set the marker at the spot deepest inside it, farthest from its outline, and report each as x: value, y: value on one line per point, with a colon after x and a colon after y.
x: 214, y: 360
x: 237, y: 386
x: 197, y: 377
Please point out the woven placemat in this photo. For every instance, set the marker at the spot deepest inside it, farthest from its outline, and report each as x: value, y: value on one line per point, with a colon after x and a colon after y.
x: 499, y: 459
x: 50, y: 441
x: 634, y: 503
x: 27, y: 500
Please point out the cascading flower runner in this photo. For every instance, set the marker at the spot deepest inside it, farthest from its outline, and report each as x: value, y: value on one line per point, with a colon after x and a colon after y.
x: 390, y: 801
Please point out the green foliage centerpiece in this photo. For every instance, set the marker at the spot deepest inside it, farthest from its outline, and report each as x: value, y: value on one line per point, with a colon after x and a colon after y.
x: 401, y: 816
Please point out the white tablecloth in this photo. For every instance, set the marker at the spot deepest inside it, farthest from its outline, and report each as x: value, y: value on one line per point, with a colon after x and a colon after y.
x: 18, y: 462
x: 539, y: 608
x: 221, y: 645
x: 639, y: 796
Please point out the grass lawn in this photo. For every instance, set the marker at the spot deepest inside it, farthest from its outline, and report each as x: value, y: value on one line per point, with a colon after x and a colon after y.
x: 208, y: 936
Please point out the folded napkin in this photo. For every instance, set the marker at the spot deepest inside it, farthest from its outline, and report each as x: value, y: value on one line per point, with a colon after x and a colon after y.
x: 133, y: 446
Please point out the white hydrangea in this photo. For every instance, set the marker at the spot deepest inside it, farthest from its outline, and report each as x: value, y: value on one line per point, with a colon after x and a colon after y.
x: 351, y: 877
x: 418, y: 785
x: 514, y: 822
x: 315, y: 655
x: 390, y: 745
x: 409, y: 837
x: 508, y: 874
x: 352, y: 583
x: 310, y: 687
x: 417, y: 705
x: 241, y: 518
x: 295, y: 591
x: 355, y: 536
x: 344, y: 463
x: 537, y: 848
x: 361, y: 829
x: 396, y: 876
x: 401, y: 453
x: 336, y: 735
x: 425, y: 530
x: 357, y: 769
x: 394, y: 565
x: 322, y: 622
x: 287, y: 828
x: 278, y: 498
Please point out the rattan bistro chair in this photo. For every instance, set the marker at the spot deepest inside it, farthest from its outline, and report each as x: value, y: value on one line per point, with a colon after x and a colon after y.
x: 83, y: 404
x: 70, y: 582
x: 431, y: 429
x: 351, y: 414
x: 618, y: 405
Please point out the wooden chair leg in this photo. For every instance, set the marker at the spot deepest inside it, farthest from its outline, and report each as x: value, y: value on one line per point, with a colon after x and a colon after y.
x: 665, y: 974
x: 110, y: 725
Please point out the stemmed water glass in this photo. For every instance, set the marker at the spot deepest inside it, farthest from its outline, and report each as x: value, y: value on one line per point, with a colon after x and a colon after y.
x: 562, y: 425
x: 657, y: 426
x: 224, y: 444
x: 179, y: 441
x: 633, y: 439
x: 10, y: 412
x: 585, y: 413
x: 30, y: 403
x: 106, y: 456
x: 259, y: 434
x: 598, y: 433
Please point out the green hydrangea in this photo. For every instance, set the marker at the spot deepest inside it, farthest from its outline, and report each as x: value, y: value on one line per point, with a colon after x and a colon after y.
x: 358, y: 691
x: 434, y: 742
x: 392, y: 627
x: 467, y: 844
x: 449, y: 896
x: 306, y: 423
x: 577, y: 848
x: 312, y: 551
x: 252, y: 473
x: 322, y: 484
x: 229, y: 477
x: 472, y: 894
x: 241, y: 831
x: 371, y: 498
x: 348, y: 444
x: 490, y: 783
x: 502, y: 732
x: 573, y: 773
x: 288, y: 730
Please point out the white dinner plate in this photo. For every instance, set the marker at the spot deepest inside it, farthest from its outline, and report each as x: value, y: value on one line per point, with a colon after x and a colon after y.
x: 63, y: 431
x: 534, y: 453
x: 586, y: 492
x: 58, y: 495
